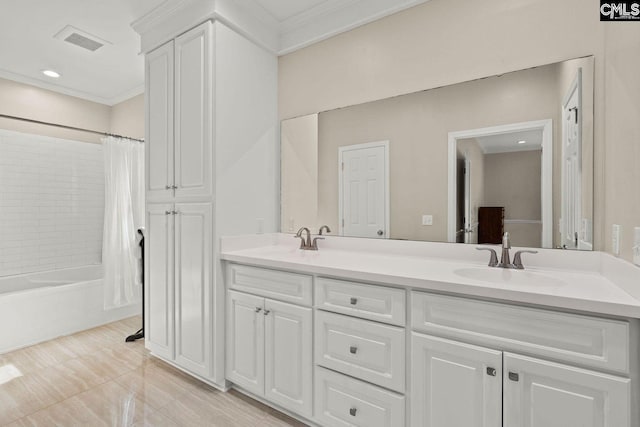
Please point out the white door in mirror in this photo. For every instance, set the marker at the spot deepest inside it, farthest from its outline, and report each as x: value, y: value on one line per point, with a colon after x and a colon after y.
x: 364, y: 190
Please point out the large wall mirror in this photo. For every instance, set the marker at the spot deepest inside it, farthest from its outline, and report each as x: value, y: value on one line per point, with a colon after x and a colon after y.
x: 461, y: 163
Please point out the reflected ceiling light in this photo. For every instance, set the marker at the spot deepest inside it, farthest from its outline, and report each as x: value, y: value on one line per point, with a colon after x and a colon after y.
x: 522, y: 142
x: 51, y: 73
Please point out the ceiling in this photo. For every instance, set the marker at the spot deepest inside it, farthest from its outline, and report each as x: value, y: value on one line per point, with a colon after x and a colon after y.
x: 115, y: 71
x: 508, y: 142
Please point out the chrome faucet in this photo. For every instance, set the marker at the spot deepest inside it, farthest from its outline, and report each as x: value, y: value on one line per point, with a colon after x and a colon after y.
x: 307, y: 244
x: 505, y: 258
x: 505, y: 261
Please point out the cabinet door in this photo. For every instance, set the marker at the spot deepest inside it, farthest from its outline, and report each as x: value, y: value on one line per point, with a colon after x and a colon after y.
x: 538, y: 393
x: 193, y: 114
x: 245, y: 341
x: 288, y: 360
x: 193, y: 284
x: 454, y: 384
x: 158, y: 275
x: 159, y: 123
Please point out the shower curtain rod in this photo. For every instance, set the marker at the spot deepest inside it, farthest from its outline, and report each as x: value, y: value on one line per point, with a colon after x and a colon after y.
x: 6, y: 116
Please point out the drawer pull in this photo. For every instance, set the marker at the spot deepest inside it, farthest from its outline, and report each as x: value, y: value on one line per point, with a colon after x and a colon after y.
x: 266, y: 312
x: 258, y: 309
x: 353, y: 349
x: 353, y: 300
x: 352, y: 411
x: 513, y: 376
x: 491, y: 372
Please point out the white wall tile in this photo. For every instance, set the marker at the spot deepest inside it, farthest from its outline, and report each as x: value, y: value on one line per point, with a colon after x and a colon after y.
x: 51, y: 203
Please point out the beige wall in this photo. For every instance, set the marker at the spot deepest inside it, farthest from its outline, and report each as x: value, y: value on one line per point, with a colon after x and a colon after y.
x: 127, y: 117
x: 18, y: 99
x: 22, y: 100
x: 620, y: 193
x: 417, y: 126
x: 448, y: 41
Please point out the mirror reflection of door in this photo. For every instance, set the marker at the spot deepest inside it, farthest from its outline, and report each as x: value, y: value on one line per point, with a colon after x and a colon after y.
x: 363, y: 181
x: 465, y: 224
x: 505, y: 168
x: 468, y: 226
x: 572, y: 235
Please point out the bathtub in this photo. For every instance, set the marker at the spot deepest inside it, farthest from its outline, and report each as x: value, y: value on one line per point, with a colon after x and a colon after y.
x: 40, y: 306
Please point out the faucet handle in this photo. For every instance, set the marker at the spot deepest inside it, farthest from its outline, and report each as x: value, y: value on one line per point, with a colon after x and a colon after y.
x: 493, y: 261
x: 323, y: 228
x: 517, y: 258
x: 302, y: 241
x: 314, y: 245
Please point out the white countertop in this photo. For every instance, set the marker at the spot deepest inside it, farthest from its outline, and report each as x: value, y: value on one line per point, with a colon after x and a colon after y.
x: 592, y: 282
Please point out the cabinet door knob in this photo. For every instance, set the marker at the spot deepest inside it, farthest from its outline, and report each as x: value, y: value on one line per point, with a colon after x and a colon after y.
x: 167, y: 212
x: 175, y: 187
x: 168, y: 187
x: 352, y: 411
x: 491, y: 372
x: 380, y: 232
x: 353, y: 300
x: 266, y: 312
x: 353, y: 349
x: 258, y: 309
x: 513, y: 376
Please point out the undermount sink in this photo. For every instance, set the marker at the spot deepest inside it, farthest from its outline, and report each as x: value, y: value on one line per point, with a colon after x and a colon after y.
x: 509, y: 276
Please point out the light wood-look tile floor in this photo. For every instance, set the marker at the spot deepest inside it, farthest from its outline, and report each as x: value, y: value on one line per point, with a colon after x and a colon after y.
x: 94, y: 378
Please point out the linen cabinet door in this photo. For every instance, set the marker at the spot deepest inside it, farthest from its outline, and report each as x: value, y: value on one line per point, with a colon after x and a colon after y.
x: 159, y: 315
x: 454, y: 384
x: 538, y: 393
x: 159, y: 124
x: 245, y: 341
x: 194, y: 113
x: 193, y: 285
x: 288, y: 356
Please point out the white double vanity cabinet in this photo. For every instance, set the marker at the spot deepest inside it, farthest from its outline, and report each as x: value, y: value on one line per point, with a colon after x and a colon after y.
x: 384, y: 352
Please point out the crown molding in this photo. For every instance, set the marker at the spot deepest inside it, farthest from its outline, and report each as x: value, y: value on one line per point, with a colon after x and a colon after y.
x: 174, y: 17
x: 8, y: 75
x: 126, y: 95
x: 333, y: 18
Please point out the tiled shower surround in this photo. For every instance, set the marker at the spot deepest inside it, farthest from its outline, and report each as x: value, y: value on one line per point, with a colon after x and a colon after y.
x: 51, y: 203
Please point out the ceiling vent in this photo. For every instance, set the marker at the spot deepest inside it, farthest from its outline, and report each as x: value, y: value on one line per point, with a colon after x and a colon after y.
x: 80, y: 38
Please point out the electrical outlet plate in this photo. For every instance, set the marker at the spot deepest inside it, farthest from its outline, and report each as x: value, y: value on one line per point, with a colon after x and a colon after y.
x: 615, y: 239
x: 427, y: 219
x: 636, y: 246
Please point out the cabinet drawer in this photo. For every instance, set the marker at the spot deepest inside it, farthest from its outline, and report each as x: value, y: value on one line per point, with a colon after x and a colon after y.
x: 344, y: 401
x: 280, y: 285
x: 588, y: 341
x: 367, y: 301
x: 367, y: 350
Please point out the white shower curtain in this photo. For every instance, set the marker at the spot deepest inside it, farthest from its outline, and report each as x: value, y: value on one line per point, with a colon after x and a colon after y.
x: 123, y: 216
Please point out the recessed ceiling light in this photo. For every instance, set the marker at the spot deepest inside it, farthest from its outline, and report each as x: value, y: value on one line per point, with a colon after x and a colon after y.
x: 522, y: 142
x: 51, y: 73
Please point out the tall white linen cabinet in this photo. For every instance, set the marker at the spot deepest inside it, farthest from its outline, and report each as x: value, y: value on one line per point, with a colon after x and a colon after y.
x: 212, y: 156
